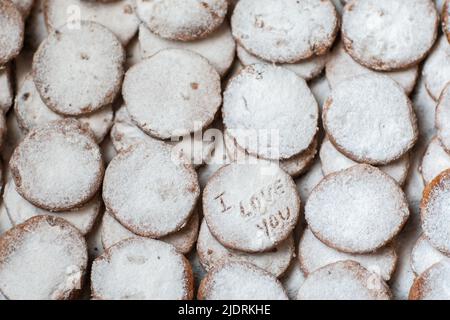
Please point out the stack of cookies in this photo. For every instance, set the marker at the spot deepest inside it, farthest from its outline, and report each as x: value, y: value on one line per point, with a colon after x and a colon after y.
x: 225, y: 149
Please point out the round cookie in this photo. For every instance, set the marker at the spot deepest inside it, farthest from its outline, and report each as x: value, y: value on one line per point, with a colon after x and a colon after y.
x: 306, y: 69
x: 251, y: 207
x: 443, y: 118
x: 212, y: 254
x: 142, y: 269
x: 174, y: 93
x: 255, y: 106
x: 434, y: 161
x: 78, y: 71
x: 32, y: 113
x: 432, y: 284
x: 434, y: 214
x: 446, y: 19
x: 423, y: 256
x: 344, y: 280
x: 436, y: 69
x: 294, y: 166
x: 113, y: 232
x: 333, y: 161
x: 357, y: 210
x: 218, y: 48
x: 53, y: 250
x: 285, y: 31
x: 340, y: 66
x: 388, y: 35
x: 11, y: 32
x: 182, y: 20
x: 118, y: 16
x: 240, y: 281
x: 360, y: 129
x: 313, y: 255
x: 58, y: 166
x: 20, y: 210
x: 149, y: 191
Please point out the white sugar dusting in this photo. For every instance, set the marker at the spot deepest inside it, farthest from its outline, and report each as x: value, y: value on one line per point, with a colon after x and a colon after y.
x: 313, y: 255
x: 141, y: 269
x: 285, y: 31
x: 345, y: 280
x: 357, y: 210
x: 218, y: 48
x: 238, y: 280
x: 389, y: 34
x: 44, y: 259
x: 371, y: 119
x: 263, y: 99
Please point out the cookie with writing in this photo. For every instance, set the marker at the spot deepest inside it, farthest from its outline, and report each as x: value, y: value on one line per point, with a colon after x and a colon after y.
x: 251, y: 207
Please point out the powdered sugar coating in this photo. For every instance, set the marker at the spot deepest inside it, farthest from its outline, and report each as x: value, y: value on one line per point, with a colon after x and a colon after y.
x: 53, y: 249
x: 306, y: 69
x: 125, y: 134
x: 357, y: 210
x: 173, y: 93
x: 141, y: 269
x: 240, y: 281
x: 344, y: 280
x: 78, y: 71
x: 362, y: 130
x: 435, y: 160
x: 219, y: 47
x: 183, y: 20
x: 423, y: 256
x: 251, y: 207
x: 309, y: 180
x: 117, y: 16
x: 432, y: 284
x: 333, y: 161
x: 285, y: 31
x: 294, y: 166
x: 212, y: 254
x: 58, y: 166
x: 293, y: 279
x: 313, y: 255
x: 443, y: 118
x: 20, y: 210
x: 436, y: 70
x: 265, y: 100
x: 112, y: 232
x: 340, y: 66
x: 32, y: 113
x: 149, y: 192
x: 389, y: 34
x: 6, y: 89
x: 11, y: 32
x: 434, y: 212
